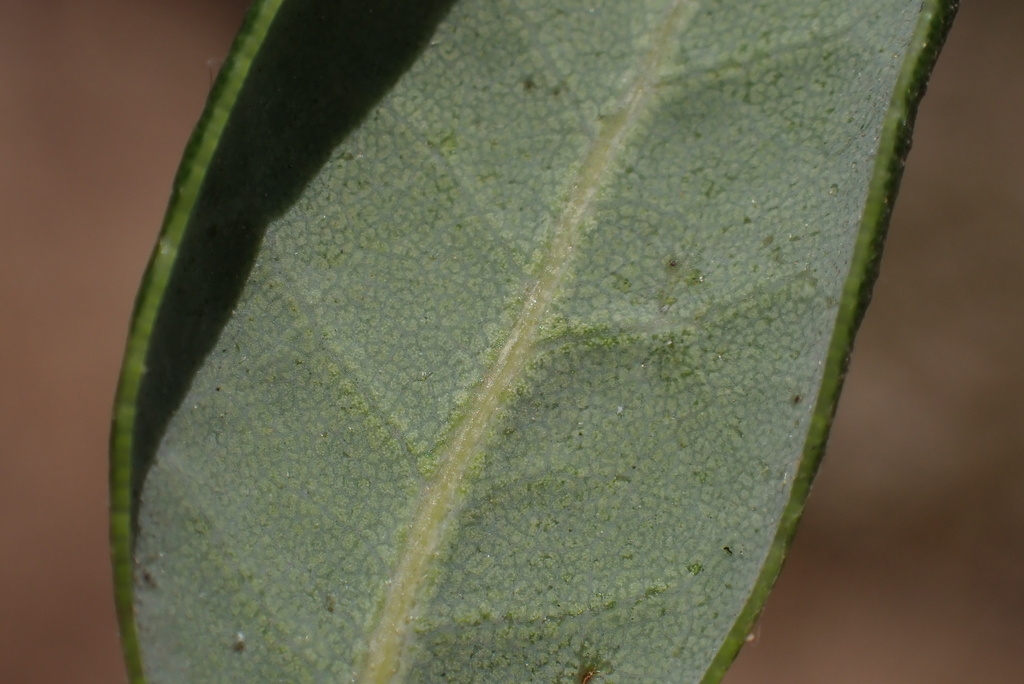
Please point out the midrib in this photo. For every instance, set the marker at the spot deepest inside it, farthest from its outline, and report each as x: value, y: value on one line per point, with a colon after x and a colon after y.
x: 384, y: 651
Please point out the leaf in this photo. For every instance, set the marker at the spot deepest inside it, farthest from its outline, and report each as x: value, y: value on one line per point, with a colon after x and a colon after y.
x: 493, y: 341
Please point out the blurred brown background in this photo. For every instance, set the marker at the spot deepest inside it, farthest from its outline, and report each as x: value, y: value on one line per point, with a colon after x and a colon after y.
x: 909, y: 565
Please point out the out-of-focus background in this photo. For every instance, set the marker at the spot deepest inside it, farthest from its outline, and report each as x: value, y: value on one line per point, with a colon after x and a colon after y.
x: 909, y: 564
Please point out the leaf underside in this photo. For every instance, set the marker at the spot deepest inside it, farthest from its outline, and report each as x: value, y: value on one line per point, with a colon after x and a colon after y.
x: 497, y: 341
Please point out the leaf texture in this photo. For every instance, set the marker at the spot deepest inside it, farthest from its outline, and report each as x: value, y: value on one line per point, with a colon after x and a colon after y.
x: 498, y: 341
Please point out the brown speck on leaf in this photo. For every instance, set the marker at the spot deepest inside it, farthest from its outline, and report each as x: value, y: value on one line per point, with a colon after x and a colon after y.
x: 529, y: 84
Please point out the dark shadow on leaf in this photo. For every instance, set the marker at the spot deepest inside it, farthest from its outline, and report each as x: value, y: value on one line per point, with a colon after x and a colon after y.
x: 321, y: 69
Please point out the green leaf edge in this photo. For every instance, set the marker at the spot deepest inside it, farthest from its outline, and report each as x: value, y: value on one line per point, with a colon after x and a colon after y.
x: 894, y: 146
x: 933, y: 26
x: 185, y: 190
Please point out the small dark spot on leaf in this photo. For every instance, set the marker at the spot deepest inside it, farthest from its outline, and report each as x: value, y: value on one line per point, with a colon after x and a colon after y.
x: 797, y: 398
x: 620, y: 283
x: 727, y: 550
x: 591, y: 664
x: 529, y: 84
x: 673, y: 263
x: 239, y: 644
x: 148, y: 578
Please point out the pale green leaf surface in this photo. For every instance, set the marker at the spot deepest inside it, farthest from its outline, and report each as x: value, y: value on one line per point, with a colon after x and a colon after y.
x: 537, y: 340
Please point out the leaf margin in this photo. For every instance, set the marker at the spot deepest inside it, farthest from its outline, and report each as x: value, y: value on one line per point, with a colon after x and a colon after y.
x: 934, y: 22
x: 185, y: 190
